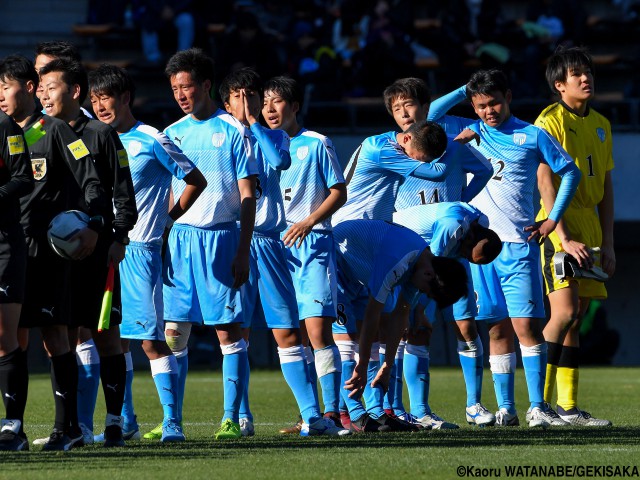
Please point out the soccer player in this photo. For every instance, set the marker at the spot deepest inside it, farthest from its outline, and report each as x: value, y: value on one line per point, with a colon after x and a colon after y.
x: 376, y: 170
x: 587, y: 223
x: 390, y: 266
x: 383, y: 162
x: 313, y: 189
x: 408, y: 100
x: 63, y: 170
x: 207, y: 259
x: 154, y: 160
x: 64, y: 86
x: 16, y: 180
x: 270, y: 293
x: 453, y: 230
x: 509, y: 290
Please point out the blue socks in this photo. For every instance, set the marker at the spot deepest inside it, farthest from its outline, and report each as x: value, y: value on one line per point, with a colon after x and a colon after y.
x: 88, y: 381
x: 245, y: 411
x: 329, y: 368
x: 294, y: 369
x: 234, y: 377
x: 416, y: 374
x: 471, y: 360
x: 534, y: 360
x: 165, y: 375
x: 503, y: 370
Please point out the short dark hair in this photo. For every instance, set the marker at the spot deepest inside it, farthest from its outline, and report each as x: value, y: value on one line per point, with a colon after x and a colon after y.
x: 111, y: 80
x: 564, y: 60
x: 245, y: 77
x: 487, y: 243
x: 59, y: 49
x: 428, y: 137
x: 485, y: 82
x: 285, y: 87
x: 409, y: 87
x: 18, y: 68
x: 72, y: 73
x: 450, y: 282
x: 193, y: 61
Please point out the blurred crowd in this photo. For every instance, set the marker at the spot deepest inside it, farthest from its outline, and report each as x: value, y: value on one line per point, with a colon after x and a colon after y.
x: 357, y: 47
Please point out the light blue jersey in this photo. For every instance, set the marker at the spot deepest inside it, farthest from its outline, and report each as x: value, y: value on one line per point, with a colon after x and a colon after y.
x: 515, y: 149
x: 378, y: 255
x: 153, y: 160
x: 314, y: 170
x: 437, y: 112
x: 221, y: 149
x: 272, y: 156
x: 462, y: 159
x: 441, y: 225
x: 374, y: 173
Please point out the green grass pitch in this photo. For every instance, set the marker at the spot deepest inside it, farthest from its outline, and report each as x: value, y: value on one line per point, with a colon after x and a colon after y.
x: 608, y: 392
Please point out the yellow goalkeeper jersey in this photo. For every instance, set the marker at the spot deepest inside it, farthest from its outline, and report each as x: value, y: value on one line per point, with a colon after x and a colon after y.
x: 588, y: 140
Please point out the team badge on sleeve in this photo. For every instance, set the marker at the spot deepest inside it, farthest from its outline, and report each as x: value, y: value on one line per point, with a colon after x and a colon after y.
x: 123, y: 158
x: 78, y: 149
x: 16, y: 144
x: 39, y: 167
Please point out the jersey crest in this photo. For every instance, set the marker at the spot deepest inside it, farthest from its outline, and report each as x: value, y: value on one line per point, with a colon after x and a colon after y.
x: 217, y: 139
x: 134, y: 147
x: 519, y: 138
x: 601, y: 134
x: 302, y: 152
x: 39, y: 167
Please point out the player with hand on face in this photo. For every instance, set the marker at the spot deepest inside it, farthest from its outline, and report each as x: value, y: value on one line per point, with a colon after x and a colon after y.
x: 509, y: 289
x: 154, y: 160
x: 269, y: 294
x: 313, y: 190
x: 64, y: 174
x: 587, y: 223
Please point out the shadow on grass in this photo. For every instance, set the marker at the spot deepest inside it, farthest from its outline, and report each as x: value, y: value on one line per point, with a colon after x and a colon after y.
x: 210, y: 449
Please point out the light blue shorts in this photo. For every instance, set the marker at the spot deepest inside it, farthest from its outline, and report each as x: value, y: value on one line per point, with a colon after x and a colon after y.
x: 197, y: 275
x: 511, y: 285
x: 313, y: 271
x: 352, y: 302
x: 269, y: 295
x: 141, y: 293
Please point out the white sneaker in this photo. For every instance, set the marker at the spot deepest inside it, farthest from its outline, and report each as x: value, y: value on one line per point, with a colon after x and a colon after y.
x: 412, y: 419
x: 478, y: 415
x: 436, y: 423
x: 584, y: 419
x: 87, y: 435
x: 324, y: 426
x: 40, y: 441
x: 506, y: 419
x: 553, y: 418
x: 246, y: 427
x: 537, y: 418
